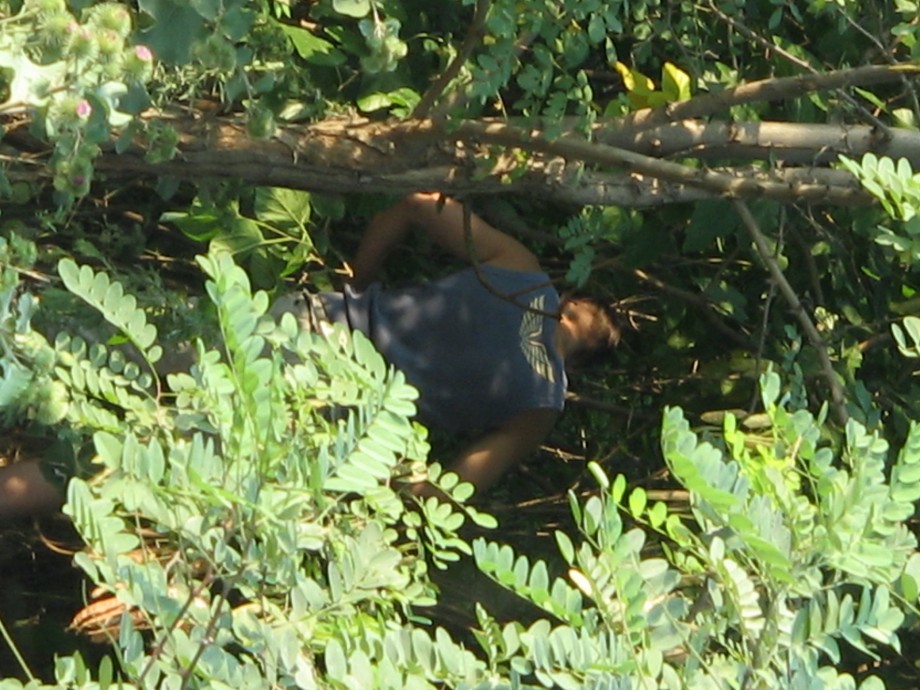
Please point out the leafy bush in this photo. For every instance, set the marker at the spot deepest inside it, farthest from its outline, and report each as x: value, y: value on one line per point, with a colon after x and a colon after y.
x: 245, y: 511
x: 248, y: 519
x: 81, y: 77
x: 790, y: 549
x: 249, y: 522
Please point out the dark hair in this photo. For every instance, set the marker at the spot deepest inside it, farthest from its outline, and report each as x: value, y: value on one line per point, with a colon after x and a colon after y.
x: 605, y: 331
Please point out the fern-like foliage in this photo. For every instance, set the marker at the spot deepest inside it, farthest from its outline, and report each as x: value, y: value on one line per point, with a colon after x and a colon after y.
x: 109, y: 298
x: 269, y: 470
x: 28, y: 389
x: 792, y: 548
x: 252, y: 523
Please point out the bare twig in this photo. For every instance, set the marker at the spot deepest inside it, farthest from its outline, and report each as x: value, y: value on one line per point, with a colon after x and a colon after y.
x: 757, y: 38
x: 701, y: 303
x: 762, y: 339
x: 884, y: 50
x: 838, y: 399
x: 207, y: 640
x: 806, y: 251
x: 160, y: 644
x: 11, y: 644
x: 473, y: 36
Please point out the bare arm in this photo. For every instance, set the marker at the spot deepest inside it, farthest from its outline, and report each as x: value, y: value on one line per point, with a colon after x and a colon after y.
x: 444, y: 224
x: 486, y: 460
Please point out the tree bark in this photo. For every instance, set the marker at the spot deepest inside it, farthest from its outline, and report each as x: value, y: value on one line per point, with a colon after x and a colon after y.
x: 624, y: 168
x: 783, y: 142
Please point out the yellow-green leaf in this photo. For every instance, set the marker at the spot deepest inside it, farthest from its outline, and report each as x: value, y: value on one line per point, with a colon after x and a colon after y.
x: 675, y: 83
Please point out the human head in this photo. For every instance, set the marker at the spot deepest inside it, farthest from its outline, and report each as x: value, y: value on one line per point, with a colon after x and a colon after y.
x: 589, y: 329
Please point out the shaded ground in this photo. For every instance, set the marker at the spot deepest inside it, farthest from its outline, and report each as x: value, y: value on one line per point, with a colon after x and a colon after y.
x: 41, y: 591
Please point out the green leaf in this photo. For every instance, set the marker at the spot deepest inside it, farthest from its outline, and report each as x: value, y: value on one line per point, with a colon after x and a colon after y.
x: 872, y: 683
x: 539, y: 577
x: 619, y: 488
x: 599, y: 475
x: 312, y: 48
x: 593, y: 515
x: 853, y: 635
x: 352, y: 8
x: 26, y: 81
x: 908, y: 338
x: 709, y: 222
x: 675, y: 83
x: 658, y: 514
x: 16, y: 381
x: 402, y: 101
x: 105, y: 673
x: 638, y: 499
x: 238, y: 235
x: 566, y: 548
x: 910, y: 578
x: 109, y: 448
x: 209, y: 9
x: 484, y: 520
x: 175, y: 29
x: 286, y: 209
x: 462, y: 492
x: 769, y: 388
x: 597, y: 28
x: 108, y: 297
x: 349, y: 478
x: 236, y: 21
x: 335, y: 661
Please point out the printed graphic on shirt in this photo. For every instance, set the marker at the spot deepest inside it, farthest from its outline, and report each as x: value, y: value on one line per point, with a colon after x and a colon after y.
x: 532, y: 340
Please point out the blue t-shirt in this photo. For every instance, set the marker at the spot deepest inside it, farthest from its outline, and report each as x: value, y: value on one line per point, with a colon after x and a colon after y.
x: 477, y: 358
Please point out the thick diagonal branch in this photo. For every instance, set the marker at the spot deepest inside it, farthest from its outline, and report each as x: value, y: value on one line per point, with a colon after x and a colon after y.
x: 766, y: 90
x: 574, y: 148
x: 838, y: 398
x: 791, y: 143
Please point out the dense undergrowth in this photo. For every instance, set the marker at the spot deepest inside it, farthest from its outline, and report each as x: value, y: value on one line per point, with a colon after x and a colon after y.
x: 729, y: 502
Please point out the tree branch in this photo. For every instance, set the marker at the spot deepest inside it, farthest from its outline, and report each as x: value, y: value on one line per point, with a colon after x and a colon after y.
x: 473, y: 36
x: 703, y: 305
x: 838, y: 398
x: 342, y: 156
x: 573, y: 148
x: 765, y: 90
x: 788, y: 142
x: 641, y: 191
x: 757, y: 38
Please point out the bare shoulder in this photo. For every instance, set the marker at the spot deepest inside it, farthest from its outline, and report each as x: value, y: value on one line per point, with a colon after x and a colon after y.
x: 516, y: 257
x: 463, y: 233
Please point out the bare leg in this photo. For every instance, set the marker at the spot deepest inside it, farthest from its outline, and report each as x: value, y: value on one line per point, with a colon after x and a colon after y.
x: 24, y: 491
